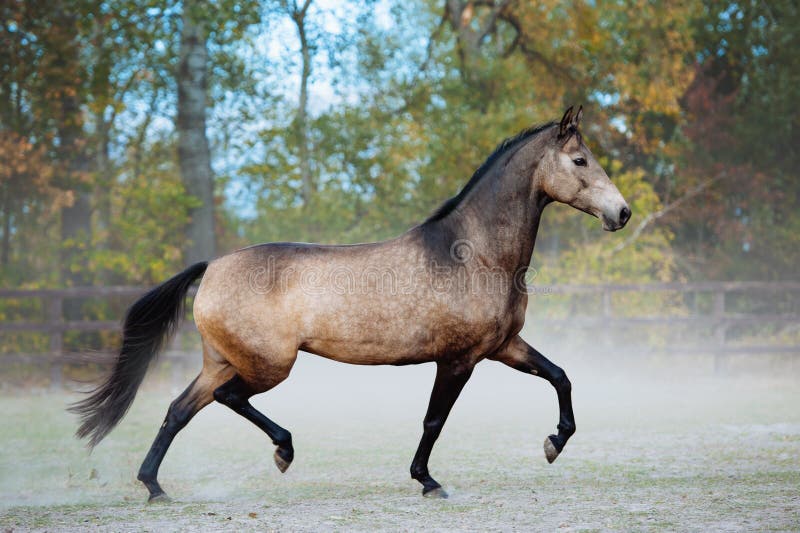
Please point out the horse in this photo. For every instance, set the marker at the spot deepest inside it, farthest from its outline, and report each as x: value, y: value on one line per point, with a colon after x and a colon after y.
x: 450, y: 290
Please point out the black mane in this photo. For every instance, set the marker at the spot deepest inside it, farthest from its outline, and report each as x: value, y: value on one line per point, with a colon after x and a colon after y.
x: 512, y: 142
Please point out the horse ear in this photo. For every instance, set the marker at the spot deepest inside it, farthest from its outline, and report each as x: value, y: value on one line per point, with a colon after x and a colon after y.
x: 576, y: 120
x: 566, y: 121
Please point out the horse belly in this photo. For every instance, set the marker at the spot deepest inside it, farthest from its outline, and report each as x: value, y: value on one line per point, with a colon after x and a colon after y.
x: 410, y: 336
x: 362, y: 343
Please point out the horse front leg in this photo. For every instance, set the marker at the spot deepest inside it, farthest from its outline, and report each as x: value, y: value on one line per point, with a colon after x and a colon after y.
x: 518, y: 354
x: 450, y: 380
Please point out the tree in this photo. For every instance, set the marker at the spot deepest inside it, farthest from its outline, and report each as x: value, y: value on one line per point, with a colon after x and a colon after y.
x: 193, y: 149
x: 741, y: 133
x: 298, y: 14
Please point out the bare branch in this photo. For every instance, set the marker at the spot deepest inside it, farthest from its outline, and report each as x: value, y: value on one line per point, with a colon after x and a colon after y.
x: 530, y: 54
x: 489, y: 26
x: 431, y: 41
x: 453, y: 9
x: 652, y: 217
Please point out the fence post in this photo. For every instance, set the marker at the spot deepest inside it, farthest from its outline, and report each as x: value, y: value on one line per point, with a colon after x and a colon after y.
x: 720, y: 331
x: 55, y: 316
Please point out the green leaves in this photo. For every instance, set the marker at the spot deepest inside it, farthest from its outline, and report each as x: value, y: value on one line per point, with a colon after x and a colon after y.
x: 404, y: 101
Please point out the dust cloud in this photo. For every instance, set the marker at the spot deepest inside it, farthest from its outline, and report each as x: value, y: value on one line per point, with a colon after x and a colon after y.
x: 654, y: 432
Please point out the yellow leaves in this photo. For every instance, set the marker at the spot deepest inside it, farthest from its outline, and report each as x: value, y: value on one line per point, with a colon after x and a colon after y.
x: 589, y: 260
x: 637, y: 191
x: 26, y: 175
x: 586, y: 25
x: 21, y: 161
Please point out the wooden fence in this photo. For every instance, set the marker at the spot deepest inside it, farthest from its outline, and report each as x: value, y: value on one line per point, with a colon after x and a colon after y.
x: 717, y: 320
x: 55, y: 325
x: 720, y: 318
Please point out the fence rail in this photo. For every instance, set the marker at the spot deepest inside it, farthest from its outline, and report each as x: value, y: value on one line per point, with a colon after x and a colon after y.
x: 55, y: 325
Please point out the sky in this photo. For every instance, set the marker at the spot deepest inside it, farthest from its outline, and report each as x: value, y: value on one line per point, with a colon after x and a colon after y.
x: 278, y: 43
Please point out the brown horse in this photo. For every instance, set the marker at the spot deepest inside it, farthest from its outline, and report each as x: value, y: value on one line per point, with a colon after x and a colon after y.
x: 450, y: 291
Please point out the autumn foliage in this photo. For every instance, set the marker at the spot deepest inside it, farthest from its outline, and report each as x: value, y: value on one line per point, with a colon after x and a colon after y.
x: 351, y: 123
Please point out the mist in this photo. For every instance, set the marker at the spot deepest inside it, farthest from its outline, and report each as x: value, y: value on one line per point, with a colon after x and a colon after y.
x: 141, y: 140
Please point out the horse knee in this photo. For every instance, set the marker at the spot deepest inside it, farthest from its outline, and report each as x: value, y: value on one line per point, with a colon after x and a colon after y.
x: 567, y: 427
x: 418, y: 470
x: 560, y: 380
x: 433, y: 425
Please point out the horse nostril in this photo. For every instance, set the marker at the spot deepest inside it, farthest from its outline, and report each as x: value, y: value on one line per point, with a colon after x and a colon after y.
x: 624, y: 215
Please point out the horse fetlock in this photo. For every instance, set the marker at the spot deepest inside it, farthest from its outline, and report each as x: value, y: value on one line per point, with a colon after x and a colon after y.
x: 430, y: 487
x: 566, y: 428
x: 419, y: 473
x: 283, y: 439
x: 157, y: 494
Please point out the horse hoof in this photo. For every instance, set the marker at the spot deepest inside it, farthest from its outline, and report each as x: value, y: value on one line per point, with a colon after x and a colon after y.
x: 161, y: 497
x: 550, y: 450
x: 280, y: 462
x: 438, y: 493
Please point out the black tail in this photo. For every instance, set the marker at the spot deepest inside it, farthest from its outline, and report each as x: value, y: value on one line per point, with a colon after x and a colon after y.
x: 149, y: 323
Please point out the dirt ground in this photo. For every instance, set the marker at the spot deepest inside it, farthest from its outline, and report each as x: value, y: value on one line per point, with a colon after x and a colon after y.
x: 663, y: 449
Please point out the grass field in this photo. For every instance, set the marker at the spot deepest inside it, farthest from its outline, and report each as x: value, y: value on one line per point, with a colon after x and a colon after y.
x: 659, y: 451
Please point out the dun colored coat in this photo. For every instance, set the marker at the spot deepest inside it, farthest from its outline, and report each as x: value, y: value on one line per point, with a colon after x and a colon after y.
x: 450, y: 290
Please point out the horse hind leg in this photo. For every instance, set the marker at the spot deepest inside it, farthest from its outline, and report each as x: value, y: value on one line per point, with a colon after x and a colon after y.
x: 236, y: 394
x: 196, y: 396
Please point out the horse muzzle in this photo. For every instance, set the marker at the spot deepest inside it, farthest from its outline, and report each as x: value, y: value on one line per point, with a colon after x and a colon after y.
x: 617, y: 219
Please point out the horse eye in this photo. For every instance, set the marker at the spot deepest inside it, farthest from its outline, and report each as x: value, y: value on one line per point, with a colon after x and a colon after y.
x: 581, y: 162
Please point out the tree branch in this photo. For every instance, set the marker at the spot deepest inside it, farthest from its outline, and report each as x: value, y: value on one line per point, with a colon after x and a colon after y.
x: 652, y: 217
x: 429, y: 49
x: 492, y: 19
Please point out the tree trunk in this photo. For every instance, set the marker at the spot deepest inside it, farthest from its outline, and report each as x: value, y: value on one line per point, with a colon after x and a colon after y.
x: 76, y: 227
x: 102, y: 190
x: 193, y: 150
x: 5, y: 253
x: 76, y: 219
x: 471, y: 32
x: 298, y: 15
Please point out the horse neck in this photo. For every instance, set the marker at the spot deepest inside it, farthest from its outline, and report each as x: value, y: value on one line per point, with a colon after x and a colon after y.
x: 499, y: 218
